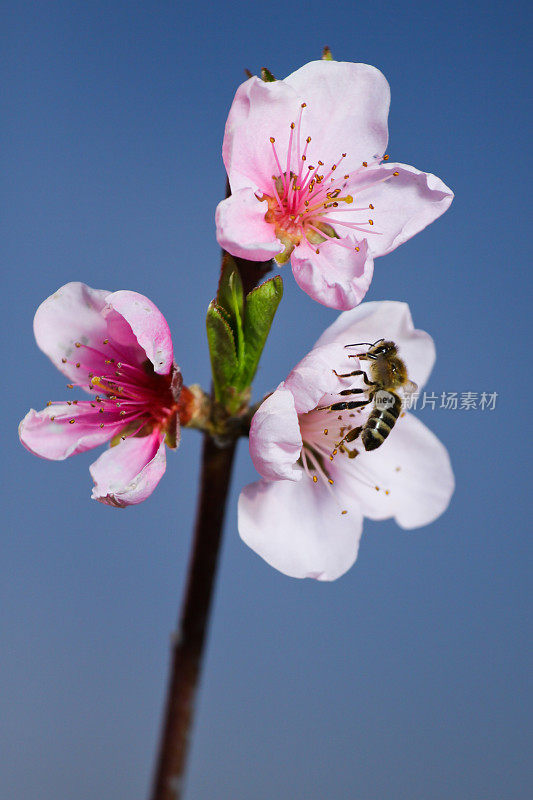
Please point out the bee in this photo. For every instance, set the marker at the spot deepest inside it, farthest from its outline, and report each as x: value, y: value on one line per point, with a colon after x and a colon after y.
x: 388, y: 374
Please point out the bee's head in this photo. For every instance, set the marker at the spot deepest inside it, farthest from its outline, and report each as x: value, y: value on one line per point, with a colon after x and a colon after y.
x: 383, y: 348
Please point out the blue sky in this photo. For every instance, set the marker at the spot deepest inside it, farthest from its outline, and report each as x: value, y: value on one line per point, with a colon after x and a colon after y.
x: 405, y: 679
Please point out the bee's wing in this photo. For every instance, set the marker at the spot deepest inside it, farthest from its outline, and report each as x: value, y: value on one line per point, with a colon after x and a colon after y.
x: 409, y: 388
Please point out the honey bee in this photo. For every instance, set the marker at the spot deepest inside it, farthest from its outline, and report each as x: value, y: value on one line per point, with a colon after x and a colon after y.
x: 389, y: 374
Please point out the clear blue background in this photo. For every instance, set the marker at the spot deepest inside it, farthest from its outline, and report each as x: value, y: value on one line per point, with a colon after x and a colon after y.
x: 405, y: 679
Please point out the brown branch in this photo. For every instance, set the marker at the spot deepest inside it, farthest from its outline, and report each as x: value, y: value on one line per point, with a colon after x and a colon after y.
x: 188, y: 647
x: 190, y: 639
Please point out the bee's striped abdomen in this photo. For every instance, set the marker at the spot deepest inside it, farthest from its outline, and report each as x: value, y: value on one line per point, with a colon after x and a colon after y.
x: 380, y: 423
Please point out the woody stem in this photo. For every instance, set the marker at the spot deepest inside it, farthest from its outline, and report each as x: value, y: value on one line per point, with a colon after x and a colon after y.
x: 189, y: 642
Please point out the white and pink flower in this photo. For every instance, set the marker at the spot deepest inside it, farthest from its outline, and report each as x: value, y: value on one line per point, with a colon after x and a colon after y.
x: 310, y: 179
x: 117, y: 347
x: 305, y: 516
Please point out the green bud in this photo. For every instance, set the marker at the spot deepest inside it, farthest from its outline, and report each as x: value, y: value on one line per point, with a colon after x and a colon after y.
x: 266, y: 75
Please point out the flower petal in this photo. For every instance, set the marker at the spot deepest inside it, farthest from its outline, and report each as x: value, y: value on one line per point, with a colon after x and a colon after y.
x: 275, y: 440
x: 314, y: 376
x: 412, y: 470
x: 72, y: 314
x: 387, y: 319
x: 129, y: 472
x: 299, y: 529
x: 347, y: 110
x: 146, y: 326
x: 337, y: 276
x: 260, y: 110
x: 403, y: 205
x: 242, y: 229
x: 58, y: 439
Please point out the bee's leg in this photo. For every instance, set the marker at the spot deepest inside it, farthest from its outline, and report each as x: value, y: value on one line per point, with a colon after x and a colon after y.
x: 363, y: 356
x: 353, y: 374
x: 346, y: 405
x: 353, y: 391
x: 352, y: 435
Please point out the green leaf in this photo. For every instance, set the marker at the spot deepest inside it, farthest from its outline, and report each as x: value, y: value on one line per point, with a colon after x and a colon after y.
x: 230, y: 298
x: 259, y: 311
x: 229, y: 294
x: 326, y: 54
x: 224, y: 365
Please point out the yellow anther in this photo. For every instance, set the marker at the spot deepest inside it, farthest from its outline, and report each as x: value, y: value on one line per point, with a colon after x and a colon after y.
x: 326, y: 431
x: 356, y: 249
x: 370, y: 206
x: 71, y: 421
x: 106, y: 341
x: 385, y: 157
x: 365, y: 163
x: 78, y: 344
x: 330, y: 481
x: 396, y: 174
x: 315, y: 479
x: 64, y: 360
x: 370, y: 221
x: 344, y: 512
x: 272, y: 140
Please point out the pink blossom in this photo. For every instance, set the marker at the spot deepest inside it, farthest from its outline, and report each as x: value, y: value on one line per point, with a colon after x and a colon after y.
x: 305, y: 516
x: 117, y: 347
x: 310, y: 179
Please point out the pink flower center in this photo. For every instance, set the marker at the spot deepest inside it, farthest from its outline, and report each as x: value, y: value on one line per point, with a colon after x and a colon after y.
x: 125, y: 392
x: 328, y: 435
x: 306, y: 198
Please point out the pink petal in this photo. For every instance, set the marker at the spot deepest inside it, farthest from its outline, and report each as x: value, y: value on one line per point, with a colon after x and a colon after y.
x: 242, y: 230
x: 57, y: 440
x: 314, y: 376
x: 299, y: 529
x: 403, y: 205
x: 72, y: 314
x: 129, y: 472
x: 275, y: 441
x: 259, y: 110
x: 134, y: 320
x: 337, y: 276
x: 387, y: 319
x: 412, y: 465
x: 347, y: 110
